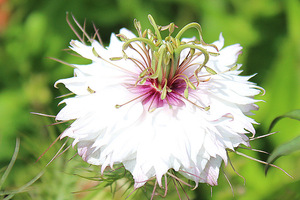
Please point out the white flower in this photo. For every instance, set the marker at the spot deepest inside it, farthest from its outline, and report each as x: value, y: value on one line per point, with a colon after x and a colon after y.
x: 154, y: 104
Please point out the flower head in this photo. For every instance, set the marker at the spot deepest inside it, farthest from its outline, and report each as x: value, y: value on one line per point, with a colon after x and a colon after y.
x: 156, y: 104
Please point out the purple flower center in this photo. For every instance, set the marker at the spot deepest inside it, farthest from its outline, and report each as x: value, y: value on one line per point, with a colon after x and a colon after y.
x: 164, y: 77
x: 151, y: 94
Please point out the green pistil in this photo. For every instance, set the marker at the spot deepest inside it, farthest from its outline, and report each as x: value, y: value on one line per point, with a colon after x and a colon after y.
x: 166, y: 54
x: 191, y: 46
x: 188, y: 26
x: 157, y: 32
x: 160, y: 64
x: 140, y: 39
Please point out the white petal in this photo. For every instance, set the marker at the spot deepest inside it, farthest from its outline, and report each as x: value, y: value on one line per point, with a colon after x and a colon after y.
x: 219, y: 43
x: 186, y: 138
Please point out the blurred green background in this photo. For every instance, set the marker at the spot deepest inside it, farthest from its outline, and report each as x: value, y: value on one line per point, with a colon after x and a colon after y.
x: 32, y: 30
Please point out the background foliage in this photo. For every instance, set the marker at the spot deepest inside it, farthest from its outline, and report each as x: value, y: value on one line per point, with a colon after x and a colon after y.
x: 32, y: 30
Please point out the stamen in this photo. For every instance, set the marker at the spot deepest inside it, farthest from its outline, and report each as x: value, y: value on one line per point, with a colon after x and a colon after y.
x: 170, y: 106
x: 260, y: 161
x: 160, y: 59
x: 210, y: 70
x: 153, y: 191
x: 187, y: 80
x: 65, y: 95
x: 97, y: 55
x: 153, y: 98
x: 166, y: 186
x: 262, y: 136
x: 146, y: 63
x: 190, y: 46
x: 184, y: 64
x: 178, y: 179
x: 120, y: 105
x: 83, y: 31
x: 137, y: 63
x: 72, y: 54
x: 49, y: 147
x: 196, y: 185
x: 176, y: 189
x: 229, y: 160
x: 59, y: 153
x: 228, y: 181
x: 84, y: 23
x: 41, y: 114
x: 203, y: 108
x: 62, y: 62
x: 256, y: 150
x: 73, y: 29
x: 98, y: 35
x: 135, y: 189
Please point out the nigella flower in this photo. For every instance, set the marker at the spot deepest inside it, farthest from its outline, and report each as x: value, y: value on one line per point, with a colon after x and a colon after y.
x: 155, y: 104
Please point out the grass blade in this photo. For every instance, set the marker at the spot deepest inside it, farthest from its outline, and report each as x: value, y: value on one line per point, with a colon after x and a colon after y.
x: 11, y: 163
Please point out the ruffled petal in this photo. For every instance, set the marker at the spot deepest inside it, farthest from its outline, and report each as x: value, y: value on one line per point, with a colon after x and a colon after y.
x: 112, y: 123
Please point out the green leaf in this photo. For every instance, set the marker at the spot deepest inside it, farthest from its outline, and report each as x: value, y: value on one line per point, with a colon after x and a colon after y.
x: 286, y: 148
x: 282, y: 150
x: 295, y: 114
